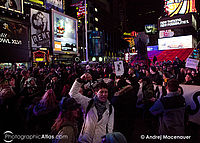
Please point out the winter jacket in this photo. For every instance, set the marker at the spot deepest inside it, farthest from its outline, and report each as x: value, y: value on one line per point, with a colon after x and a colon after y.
x: 124, y: 102
x: 92, y: 129
x: 67, y: 133
x: 171, y: 111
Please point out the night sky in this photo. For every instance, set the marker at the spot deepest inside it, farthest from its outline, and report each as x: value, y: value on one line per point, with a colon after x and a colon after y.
x: 141, y: 12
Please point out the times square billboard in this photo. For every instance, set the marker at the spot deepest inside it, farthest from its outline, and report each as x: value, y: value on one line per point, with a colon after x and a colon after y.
x: 180, y: 42
x: 64, y: 33
x: 179, y: 21
x: 174, y: 7
x: 14, y: 41
x: 13, y: 5
x: 40, y: 29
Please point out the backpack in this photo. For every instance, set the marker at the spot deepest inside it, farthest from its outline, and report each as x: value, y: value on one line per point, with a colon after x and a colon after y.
x: 90, y: 104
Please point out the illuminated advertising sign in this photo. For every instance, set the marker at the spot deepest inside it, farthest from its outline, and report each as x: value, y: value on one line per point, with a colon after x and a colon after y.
x: 39, y: 56
x: 64, y: 32
x: 176, y: 43
x: 40, y: 29
x: 179, y: 21
x: 40, y: 2
x: 166, y: 33
x: 152, y: 48
x: 55, y: 3
x: 14, y: 5
x: 173, y: 7
x: 151, y: 28
x: 14, y: 41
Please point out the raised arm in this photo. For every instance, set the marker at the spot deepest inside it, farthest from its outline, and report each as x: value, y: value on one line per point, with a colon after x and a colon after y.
x: 74, y: 91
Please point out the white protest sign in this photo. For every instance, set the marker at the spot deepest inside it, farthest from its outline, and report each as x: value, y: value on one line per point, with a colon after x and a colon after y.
x: 191, y: 63
x: 119, y: 68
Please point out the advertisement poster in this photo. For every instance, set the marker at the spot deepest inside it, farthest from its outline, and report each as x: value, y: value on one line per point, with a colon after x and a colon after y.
x: 65, y: 31
x: 14, y: 5
x: 40, y: 29
x: 14, y: 41
x: 119, y: 68
x: 175, y: 43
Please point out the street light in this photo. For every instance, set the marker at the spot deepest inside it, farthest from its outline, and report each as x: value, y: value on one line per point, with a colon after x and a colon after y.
x: 86, y: 44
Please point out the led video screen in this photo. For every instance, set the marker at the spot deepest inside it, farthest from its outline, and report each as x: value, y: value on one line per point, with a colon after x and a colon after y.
x: 64, y: 32
x: 14, y: 41
x: 175, y: 43
x: 173, y: 7
x: 14, y: 5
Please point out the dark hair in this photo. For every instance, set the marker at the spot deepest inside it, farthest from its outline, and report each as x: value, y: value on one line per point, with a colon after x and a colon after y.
x: 167, y: 75
x: 68, y: 104
x: 173, y: 85
x: 121, y: 83
x: 101, y: 85
x: 153, y: 68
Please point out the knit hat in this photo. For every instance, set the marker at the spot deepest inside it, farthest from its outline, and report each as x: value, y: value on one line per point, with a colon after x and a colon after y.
x: 115, y: 137
x: 68, y: 104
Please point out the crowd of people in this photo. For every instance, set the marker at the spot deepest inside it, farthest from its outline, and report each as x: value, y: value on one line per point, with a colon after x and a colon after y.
x: 90, y: 104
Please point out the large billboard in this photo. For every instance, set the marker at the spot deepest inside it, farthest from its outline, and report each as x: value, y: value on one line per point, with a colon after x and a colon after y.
x: 173, y: 7
x: 40, y: 29
x: 14, y: 5
x: 176, y: 43
x: 64, y: 32
x: 179, y: 21
x: 14, y: 41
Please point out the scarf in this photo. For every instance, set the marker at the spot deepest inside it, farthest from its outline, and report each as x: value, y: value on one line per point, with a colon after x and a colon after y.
x: 100, y: 106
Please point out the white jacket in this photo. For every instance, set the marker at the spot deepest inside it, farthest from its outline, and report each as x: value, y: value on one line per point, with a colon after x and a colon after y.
x: 93, y: 130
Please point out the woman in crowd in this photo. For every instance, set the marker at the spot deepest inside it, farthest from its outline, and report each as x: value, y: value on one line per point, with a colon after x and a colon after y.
x: 46, y: 111
x: 66, y: 125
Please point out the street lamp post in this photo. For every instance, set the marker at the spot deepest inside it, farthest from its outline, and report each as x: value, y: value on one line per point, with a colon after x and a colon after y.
x: 86, y: 43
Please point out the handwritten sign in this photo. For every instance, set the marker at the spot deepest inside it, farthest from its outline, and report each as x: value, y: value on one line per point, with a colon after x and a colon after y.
x: 119, y: 68
x: 191, y: 63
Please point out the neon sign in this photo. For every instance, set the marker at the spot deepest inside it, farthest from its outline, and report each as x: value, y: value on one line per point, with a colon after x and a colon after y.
x: 39, y: 56
x: 173, y: 7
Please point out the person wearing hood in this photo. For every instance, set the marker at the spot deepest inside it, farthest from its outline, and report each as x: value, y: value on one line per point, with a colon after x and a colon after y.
x: 99, y: 118
x: 29, y: 92
x: 124, y: 102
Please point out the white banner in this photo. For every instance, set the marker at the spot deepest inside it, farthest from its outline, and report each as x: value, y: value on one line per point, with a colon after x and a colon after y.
x: 119, y: 68
x: 191, y: 63
x: 40, y: 29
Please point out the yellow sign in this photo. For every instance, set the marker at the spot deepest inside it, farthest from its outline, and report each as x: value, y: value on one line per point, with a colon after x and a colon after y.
x: 37, y: 1
x: 128, y: 34
x: 57, y: 46
x: 39, y: 59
